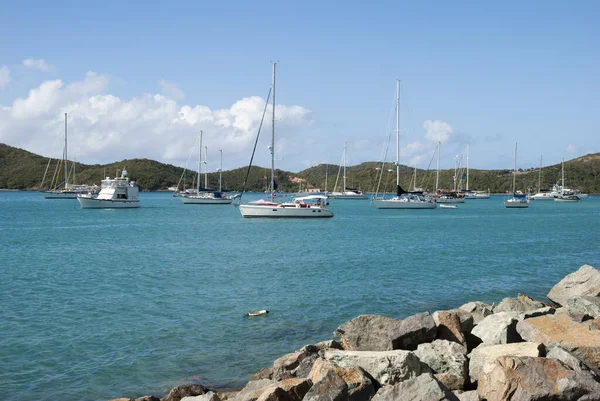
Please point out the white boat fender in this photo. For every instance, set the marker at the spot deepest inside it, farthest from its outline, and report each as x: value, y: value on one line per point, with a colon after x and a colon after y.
x: 257, y: 313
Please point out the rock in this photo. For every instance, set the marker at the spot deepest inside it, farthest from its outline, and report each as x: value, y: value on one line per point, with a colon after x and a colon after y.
x: 367, y: 333
x: 210, y: 396
x: 581, y: 339
x: 499, y: 328
x: 295, y: 364
x: 330, y: 388
x: 585, y: 281
x: 148, y: 398
x: 177, y: 393
x: 449, y: 326
x: 486, y: 354
x: 448, y: 361
x: 359, y: 384
x: 466, y: 319
x: 479, y: 310
x: 412, y: 331
x: 286, y: 390
x: 522, y: 303
x: 585, y: 305
x: 121, y: 399
x: 385, y: 367
x: 528, y: 379
x: 574, y: 363
x: 466, y: 395
x: 420, y: 388
x: 253, y: 390
x: 324, y: 345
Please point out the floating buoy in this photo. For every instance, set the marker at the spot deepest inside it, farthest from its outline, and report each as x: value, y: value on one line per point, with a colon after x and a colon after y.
x: 258, y: 313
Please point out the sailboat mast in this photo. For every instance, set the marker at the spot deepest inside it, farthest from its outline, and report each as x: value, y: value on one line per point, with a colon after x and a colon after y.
x: 273, y: 140
x: 199, y: 162
x: 515, y: 171
x: 398, y: 137
x: 468, y: 154
x: 562, y: 190
x: 345, y: 147
x: 437, y: 174
x: 205, y: 167
x: 66, y: 158
x: 221, y: 171
x: 540, y: 176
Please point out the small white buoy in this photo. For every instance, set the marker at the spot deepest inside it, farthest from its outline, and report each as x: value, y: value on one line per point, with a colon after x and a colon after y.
x: 258, y: 313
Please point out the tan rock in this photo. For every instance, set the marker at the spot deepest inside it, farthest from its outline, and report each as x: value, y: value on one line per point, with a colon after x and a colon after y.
x: 286, y: 390
x: 486, y: 354
x: 449, y: 327
x: 585, y: 281
x: 360, y: 386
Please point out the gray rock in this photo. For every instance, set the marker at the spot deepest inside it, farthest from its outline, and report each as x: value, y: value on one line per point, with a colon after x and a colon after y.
x: 447, y: 360
x: 528, y: 379
x: 253, y: 390
x: 210, y: 396
x: 330, y: 388
x: 422, y: 388
x: 499, y: 328
x: 148, y: 398
x: 585, y: 305
x: 522, y: 303
x: 466, y: 395
x: 449, y: 326
x: 360, y: 387
x: 574, y: 363
x: 486, y: 354
x: 412, y: 331
x: 367, y: 333
x: 585, y: 281
x: 479, y: 310
x: 385, y: 367
x: 177, y: 393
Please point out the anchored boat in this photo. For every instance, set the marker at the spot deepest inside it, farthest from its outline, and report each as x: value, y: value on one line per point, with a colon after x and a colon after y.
x: 115, y: 193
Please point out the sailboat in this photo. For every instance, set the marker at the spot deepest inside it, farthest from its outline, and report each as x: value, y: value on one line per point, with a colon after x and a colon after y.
x: 403, y: 199
x: 68, y: 191
x: 347, y: 193
x: 543, y: 194
x: 564, y: 196
x: 469, y: 193
x: 307, y: 206
x: 517, y: 200
x: 205, y: 196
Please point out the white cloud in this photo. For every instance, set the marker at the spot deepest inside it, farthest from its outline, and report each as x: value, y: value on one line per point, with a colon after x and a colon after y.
x: 437, y: 131
x: 171, y: 90
x: 105, y: 128
x: 40, y: 65
x: 571, y: 148
x: 4, y: 76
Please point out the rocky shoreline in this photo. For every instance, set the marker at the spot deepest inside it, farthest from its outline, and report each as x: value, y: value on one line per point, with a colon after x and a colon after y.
x: 520, y: 349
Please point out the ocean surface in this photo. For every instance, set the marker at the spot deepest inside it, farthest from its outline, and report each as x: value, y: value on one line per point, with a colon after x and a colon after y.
x: 100, y: 304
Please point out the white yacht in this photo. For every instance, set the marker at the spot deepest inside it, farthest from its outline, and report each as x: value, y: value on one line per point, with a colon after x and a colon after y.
x: 566, y: 195
x: 115, y: 193
x: 403, y: 199
x: 314, y: 206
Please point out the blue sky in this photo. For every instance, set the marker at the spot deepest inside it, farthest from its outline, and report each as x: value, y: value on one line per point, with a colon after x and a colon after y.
x: 140, y: 79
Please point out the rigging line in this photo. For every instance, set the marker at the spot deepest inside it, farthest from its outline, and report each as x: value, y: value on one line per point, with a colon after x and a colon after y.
x: 425, y: 181
x: 46, y: 172
x: 186, y: 164
x: 338, y: 175
x: 255, y: 144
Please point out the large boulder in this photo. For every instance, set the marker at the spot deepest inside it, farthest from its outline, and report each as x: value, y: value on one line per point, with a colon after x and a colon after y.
x: 522, y: 303
x: 331, y: 387
x: 286, y: 390
x: 210, y: 396
x: 177, y: 393
x: 367, y: 333
x: 568, y: 359
x: 253, y: 390
x: 420, y: 388
x: 385, y: 367
x: 449, y: 326
x: 581, y: 339
x: 412, y: 331
x: 486, y: 354
x: 447, y: 360
x: 585, y: 281
x: 499, y: 328
x: 528, y: 379
x: 295, y: 364
x: 586, y: 306
x: 466, y: 395
x: 478, y: 310
x: 359, y: 385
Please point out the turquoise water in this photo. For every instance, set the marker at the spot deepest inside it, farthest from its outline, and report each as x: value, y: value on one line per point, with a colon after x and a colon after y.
x: 98, y: 304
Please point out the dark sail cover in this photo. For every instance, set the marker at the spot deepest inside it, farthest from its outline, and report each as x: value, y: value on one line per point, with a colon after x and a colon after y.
x: 399, y: 190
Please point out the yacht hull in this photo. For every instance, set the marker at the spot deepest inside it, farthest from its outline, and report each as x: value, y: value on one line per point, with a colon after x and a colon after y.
x: 515, y: 205
x: 450, y: 200
x: 349, y: 196
x: 400, y: 204
x: 59, y: 195
x: 279, y: 211
x: 187, y: 200
x: 90, y: 203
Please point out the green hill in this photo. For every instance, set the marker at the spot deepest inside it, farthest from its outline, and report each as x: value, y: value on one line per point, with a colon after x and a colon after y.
x: 20, y: 169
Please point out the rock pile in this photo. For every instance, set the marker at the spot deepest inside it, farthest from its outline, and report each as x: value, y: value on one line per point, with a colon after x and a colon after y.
x: 520, y: 349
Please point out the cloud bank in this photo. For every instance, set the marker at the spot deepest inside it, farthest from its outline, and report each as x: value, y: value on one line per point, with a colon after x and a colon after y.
x: 40, y: 65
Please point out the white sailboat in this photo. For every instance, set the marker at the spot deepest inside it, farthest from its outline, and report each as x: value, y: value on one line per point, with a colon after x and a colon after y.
x: 565, y: 196
x: 305, y: 207
x: 205, y: 196
x: 403, y: 200
x: 517, y: 201
x: 69, y: 191
x: 346, y: 193
x: 542, y: 194
x: 469, y: 193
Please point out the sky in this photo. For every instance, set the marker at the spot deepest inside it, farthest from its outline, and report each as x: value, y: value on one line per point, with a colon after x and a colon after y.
x: 142, y: 79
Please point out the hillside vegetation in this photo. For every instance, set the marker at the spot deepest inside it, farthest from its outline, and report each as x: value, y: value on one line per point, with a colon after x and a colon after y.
x: 20, y: 169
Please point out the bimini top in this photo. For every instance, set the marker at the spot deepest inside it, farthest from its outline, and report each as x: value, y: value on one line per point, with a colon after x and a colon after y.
x: 311, y: 197
x: 519, y: 196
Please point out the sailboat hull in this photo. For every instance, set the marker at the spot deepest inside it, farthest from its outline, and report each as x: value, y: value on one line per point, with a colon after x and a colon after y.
x: 60, y: 194
x: 194, y: 200
x: 279, y: 211
x: 402, y: 204
x: 516, y: 205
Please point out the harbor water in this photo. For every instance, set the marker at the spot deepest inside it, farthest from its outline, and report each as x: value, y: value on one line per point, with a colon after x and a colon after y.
x: 100, y: 304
